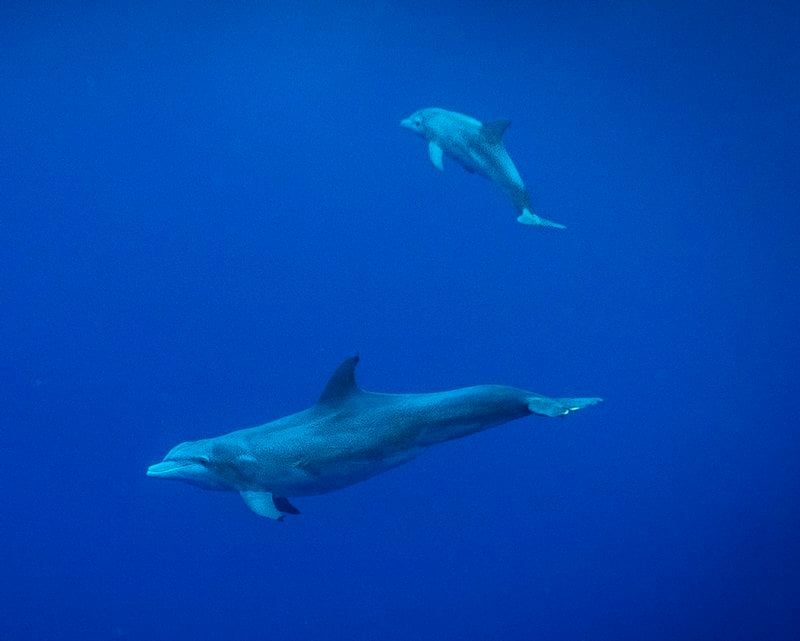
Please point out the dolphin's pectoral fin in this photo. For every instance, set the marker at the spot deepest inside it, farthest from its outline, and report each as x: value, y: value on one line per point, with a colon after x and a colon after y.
x: 282, y: 503
x: 544, y: 406
x: 527, y: 217
x: 263, y: 504
x: 436, y: 154
x: 493, y: 131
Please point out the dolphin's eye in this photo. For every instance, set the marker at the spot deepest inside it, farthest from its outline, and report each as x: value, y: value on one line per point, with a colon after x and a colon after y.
x: 418, y: 122
x: 203, y: 460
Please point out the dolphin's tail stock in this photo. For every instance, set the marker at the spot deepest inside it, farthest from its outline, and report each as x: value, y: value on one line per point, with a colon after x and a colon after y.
x: 527, y: 217
x: 544, y: 406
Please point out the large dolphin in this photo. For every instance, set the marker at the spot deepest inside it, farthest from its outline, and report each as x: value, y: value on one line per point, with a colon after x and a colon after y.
x: 347, y: 437
x: 479, y: 148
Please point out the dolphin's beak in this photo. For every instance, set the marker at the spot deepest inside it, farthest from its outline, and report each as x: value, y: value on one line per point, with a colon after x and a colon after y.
x: 406, y: 122
x: 167, y: 469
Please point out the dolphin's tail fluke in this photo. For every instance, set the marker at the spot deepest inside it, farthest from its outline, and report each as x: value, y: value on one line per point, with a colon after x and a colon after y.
x: 527, y: 217
x: 545, y: 406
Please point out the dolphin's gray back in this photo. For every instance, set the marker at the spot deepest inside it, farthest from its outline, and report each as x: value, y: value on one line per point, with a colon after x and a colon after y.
x: 333, y: 445
x: 444, y: 416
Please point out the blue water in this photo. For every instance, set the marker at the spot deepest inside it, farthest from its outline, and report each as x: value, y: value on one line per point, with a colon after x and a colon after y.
x: 205, y: 207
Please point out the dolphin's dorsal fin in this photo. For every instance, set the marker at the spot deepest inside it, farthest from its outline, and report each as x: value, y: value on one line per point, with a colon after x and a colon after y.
x: 343, y: 382
x: 494, y: 130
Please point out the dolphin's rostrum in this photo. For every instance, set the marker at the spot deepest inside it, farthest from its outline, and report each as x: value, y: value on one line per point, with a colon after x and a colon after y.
x: 348, y: 436
x: 479, y: 148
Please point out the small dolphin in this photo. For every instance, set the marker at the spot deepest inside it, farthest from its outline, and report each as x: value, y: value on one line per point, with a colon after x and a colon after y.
x: 478, y: 147
x: 347, y: 437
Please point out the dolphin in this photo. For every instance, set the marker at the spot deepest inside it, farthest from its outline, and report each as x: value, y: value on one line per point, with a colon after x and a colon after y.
x: 348, y: 436
x: 479, y: 148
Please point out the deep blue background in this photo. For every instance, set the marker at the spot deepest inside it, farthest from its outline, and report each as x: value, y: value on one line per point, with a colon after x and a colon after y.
x: 204, y: 208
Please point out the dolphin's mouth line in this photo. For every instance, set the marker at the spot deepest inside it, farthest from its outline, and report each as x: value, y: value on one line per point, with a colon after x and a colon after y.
x: 164, y: 468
